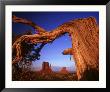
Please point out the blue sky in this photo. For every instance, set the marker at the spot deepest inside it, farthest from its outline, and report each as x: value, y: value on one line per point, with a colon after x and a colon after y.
x: 52, y: 53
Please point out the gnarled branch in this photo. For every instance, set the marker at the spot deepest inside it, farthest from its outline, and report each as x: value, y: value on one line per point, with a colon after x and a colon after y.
x: 28, y: 22
x: 67, y: 51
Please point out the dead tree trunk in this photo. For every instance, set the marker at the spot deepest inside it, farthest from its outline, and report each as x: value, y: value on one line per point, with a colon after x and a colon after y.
x: 84, y: 34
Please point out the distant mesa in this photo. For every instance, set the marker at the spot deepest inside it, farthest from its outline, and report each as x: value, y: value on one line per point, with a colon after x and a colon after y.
x: 46, y: 68
x: 64, y: 70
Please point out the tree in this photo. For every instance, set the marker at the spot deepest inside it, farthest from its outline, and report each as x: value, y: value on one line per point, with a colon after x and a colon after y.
x: 84, y: 33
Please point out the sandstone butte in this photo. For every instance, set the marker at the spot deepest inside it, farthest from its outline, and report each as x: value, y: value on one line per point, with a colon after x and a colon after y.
x: 46, y: 68
x: 84, y: 34
x: 64, y: 70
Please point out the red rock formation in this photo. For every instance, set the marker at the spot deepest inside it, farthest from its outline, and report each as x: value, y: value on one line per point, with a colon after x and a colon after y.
x: 64, y: 70
x: 46, y: 68
x: 84, y: 34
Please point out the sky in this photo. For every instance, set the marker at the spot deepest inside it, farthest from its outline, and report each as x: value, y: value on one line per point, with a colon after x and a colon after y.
x: 52, y: 53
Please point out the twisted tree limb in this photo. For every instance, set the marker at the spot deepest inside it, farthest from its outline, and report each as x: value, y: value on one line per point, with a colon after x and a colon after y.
x: 29, y: 23
x: 68, y: 51
x: 34, y: 39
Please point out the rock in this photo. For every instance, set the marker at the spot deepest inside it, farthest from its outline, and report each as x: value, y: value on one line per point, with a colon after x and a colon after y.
x: 64, y: 70
x: 46, y: 68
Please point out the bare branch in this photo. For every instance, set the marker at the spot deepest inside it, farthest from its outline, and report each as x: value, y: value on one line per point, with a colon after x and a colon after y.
x: 68, y: 51
x: 28, y: 22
